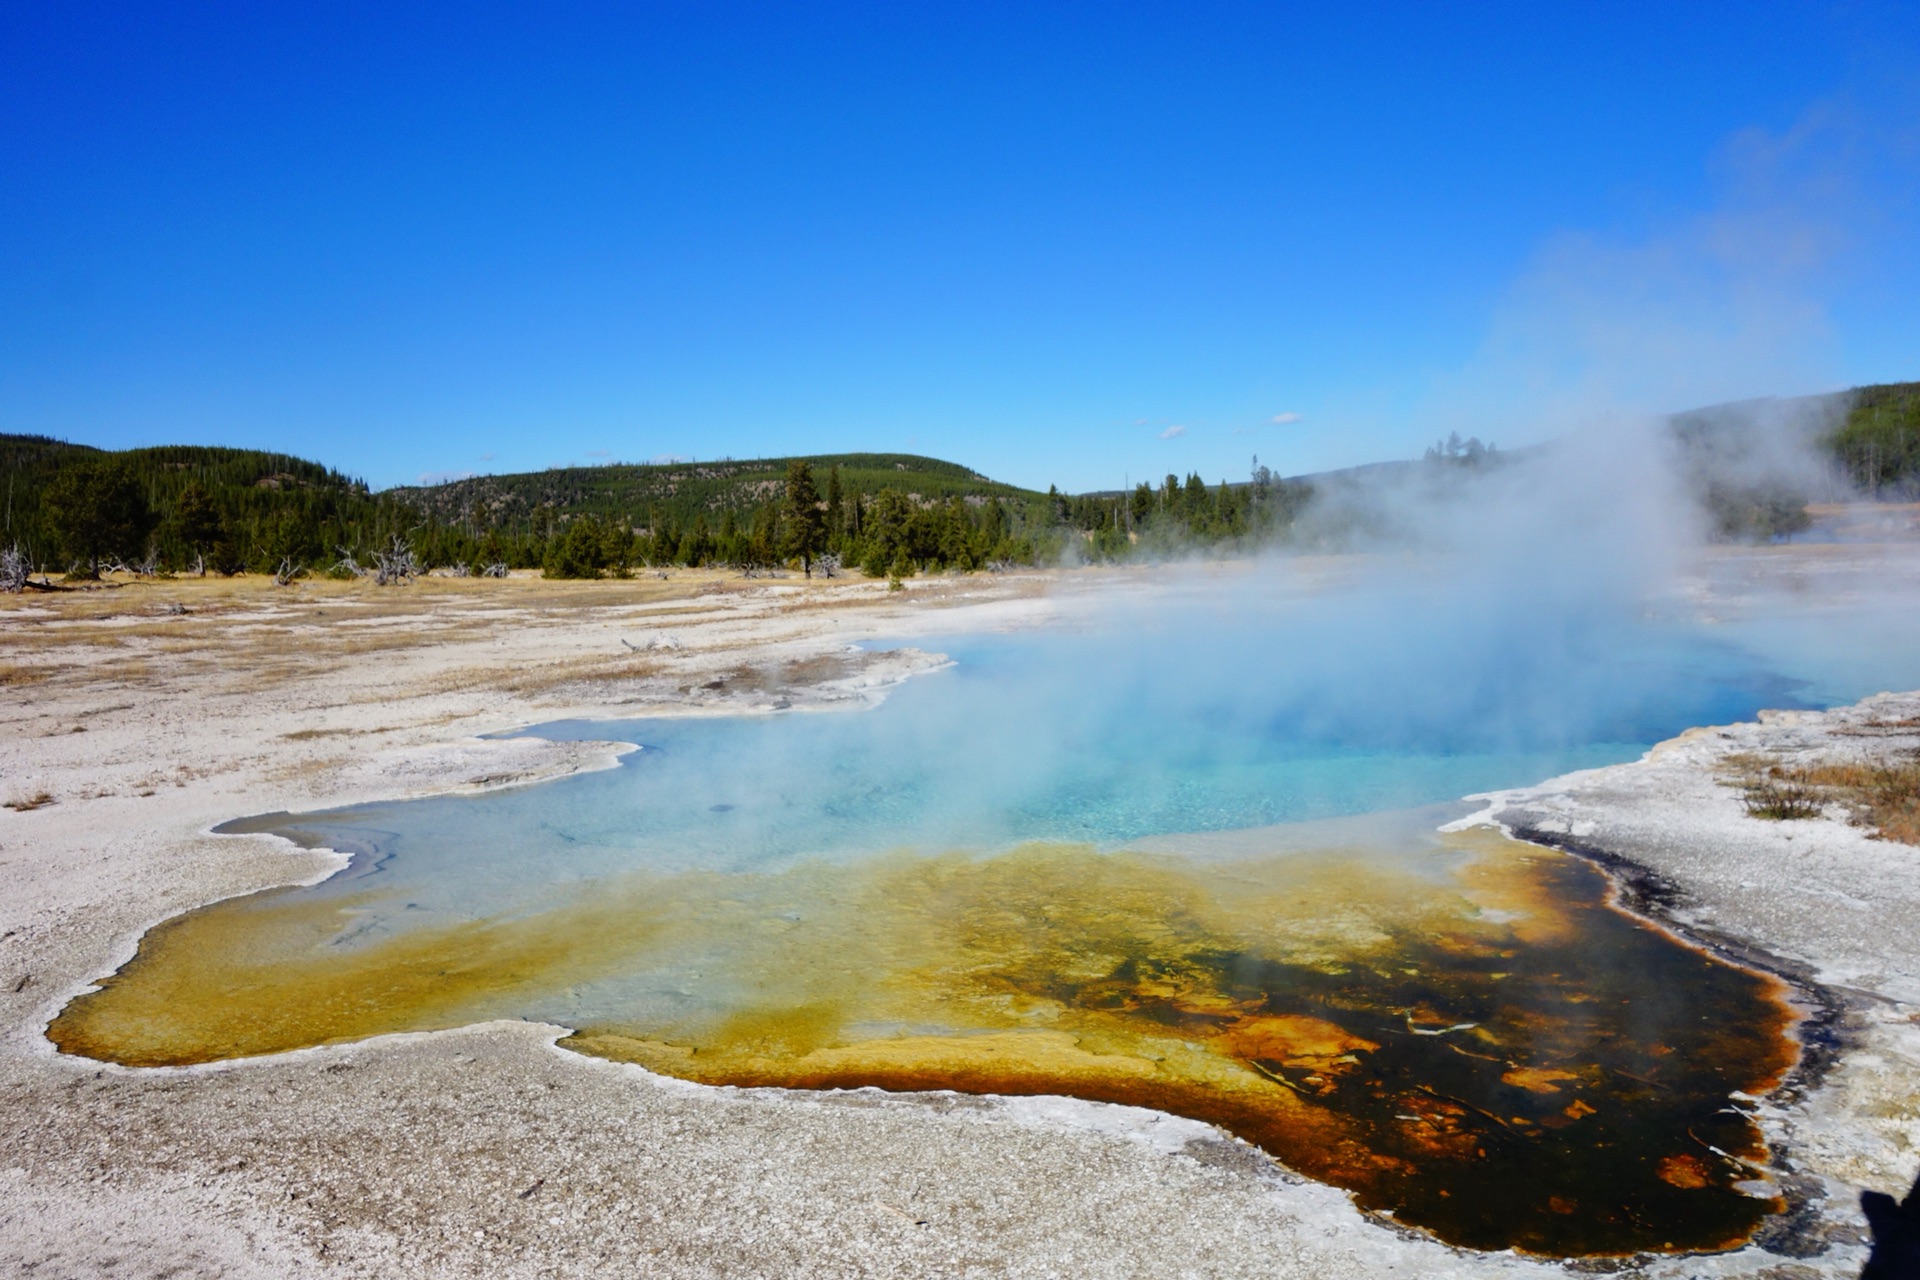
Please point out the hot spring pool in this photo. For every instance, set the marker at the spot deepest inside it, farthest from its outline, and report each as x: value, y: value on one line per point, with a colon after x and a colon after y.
x: 1002, y: 880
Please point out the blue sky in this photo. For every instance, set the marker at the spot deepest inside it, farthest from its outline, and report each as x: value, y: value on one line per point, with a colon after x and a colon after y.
x: 1061, y: 243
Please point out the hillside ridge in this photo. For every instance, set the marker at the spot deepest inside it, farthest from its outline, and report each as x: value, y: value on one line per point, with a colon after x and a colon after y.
x: 230, y: 509
x: 643, y: 493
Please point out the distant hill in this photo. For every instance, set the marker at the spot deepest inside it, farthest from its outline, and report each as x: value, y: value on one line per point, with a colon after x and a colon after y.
x: 254, y: 510
x: 266, y: 504
x: 1748, y: 460
x: 245, y: 508
x: 1746, y: 463
x: 642, y: 495
x: 169, y: 467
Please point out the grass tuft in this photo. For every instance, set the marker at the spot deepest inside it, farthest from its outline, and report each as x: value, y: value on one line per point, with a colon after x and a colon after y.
x: 1884, y: 795
x: 1779, y: 802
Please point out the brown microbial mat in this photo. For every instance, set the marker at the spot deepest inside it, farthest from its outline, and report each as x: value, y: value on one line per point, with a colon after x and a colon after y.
x: 1473, y: 1040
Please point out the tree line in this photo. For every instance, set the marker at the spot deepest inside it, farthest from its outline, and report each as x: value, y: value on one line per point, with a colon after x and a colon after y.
x: 1182, y: 517
x: 70, y: 508
x: 1878, y: 443
x: 80, y: 511
x: 74, y: 509
x: 889, y: 532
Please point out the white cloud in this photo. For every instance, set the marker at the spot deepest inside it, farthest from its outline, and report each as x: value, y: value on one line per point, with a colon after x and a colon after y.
x: 1173, y: 433
x: 1286, y: 419
x: 598, y: 453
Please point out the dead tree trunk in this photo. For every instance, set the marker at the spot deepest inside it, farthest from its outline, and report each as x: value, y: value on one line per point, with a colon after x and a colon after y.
x: 396, y: 566
x: 14, y: 570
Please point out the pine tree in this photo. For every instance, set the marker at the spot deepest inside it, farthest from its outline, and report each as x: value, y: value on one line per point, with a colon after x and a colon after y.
x: 765, y: 536
x: 97, y: 510
x: 836, y: 501
x: 806, y: 525
x: 1142, y: 503
x: 197, y: 523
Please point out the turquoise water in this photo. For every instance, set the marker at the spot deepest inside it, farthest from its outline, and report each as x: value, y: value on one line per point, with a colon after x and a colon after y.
x: 1192, y: 716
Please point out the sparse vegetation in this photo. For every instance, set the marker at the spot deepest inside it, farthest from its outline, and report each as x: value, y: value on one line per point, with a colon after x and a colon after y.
x: 1883, y: 795
x: 1756, y: 513
x: 1780, y: 801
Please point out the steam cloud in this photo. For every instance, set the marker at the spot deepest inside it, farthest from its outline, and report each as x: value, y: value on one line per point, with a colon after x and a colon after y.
x: 1479, y: 627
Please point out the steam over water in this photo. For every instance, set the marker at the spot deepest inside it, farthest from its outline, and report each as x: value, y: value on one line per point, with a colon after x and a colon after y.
x: 1010, y: 877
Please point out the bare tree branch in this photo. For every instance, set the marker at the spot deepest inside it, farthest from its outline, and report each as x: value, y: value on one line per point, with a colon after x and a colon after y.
x: 396, y: 566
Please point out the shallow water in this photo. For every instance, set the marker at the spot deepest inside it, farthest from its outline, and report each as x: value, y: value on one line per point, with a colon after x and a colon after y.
x: 1016, y: 876
x: 1468, y: 1037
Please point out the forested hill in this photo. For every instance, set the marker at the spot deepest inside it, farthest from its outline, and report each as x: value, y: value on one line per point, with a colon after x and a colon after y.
x: 243, y: 507
x: 31, y: 458
x: 72, y: 507
x: 681, y: 493
x: 1877, y: 443
x: 76, y: 508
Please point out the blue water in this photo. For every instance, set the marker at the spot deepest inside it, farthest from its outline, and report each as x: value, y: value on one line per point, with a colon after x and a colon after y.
x: 947, y: 762
x: 1222, y: 716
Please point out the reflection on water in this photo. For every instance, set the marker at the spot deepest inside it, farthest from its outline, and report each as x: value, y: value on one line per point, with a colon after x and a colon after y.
x: 1471, y: 1039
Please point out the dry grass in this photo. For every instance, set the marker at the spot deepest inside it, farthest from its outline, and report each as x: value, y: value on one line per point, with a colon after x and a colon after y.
x: 16, y: 674
x: 250, y: 638
x: 816, y: 670
x: 243, y: 637
x: 308, y: 770
x: 543, y: 677
x: 1881, y: 728
x: 308, y: 735
x: 1884, y: 795
x: 547, y: 677
x: 39, y: 800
